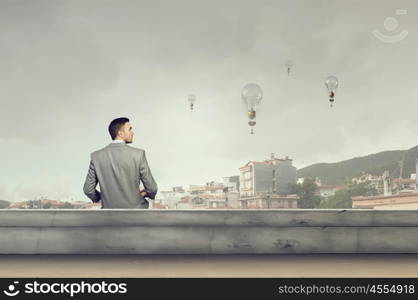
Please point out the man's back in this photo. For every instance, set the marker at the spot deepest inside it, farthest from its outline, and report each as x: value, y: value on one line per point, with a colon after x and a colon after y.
x: 119, y: 170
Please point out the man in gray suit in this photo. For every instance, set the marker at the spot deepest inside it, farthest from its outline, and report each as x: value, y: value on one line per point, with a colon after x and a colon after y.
x: 119, y: 169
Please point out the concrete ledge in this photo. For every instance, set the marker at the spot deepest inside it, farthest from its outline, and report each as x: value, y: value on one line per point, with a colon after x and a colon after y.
x: 119, y: 231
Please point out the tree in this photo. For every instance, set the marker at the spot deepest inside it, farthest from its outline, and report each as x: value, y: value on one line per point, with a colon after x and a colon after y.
x: 342, y: 198
x: 46, y: 205
x: 306, y: 192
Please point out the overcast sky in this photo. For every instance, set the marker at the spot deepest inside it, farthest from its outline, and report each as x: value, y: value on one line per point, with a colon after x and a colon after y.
x: 67, y: 68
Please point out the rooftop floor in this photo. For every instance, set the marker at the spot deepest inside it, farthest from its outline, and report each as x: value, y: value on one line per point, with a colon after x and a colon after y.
x: 158, y: 266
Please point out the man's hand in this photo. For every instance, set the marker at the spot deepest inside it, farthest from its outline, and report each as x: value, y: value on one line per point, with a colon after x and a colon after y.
x: 143, y: 193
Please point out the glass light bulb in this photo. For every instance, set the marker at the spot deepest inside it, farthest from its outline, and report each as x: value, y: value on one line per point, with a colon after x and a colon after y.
x: 331, y: 83
x: 192, y: 98
x: 252, y: 95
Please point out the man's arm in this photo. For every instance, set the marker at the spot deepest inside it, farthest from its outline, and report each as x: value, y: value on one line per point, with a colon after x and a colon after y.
x: 91, y: 183
x: 150, y: 186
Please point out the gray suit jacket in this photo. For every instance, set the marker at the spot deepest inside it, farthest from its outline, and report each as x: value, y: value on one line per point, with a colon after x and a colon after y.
x: 119, y: 169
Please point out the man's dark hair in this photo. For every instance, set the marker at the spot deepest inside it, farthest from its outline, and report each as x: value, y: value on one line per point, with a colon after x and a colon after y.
x: 115, y: 126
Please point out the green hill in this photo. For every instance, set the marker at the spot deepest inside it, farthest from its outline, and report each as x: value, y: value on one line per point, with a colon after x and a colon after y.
x: 375, y: 164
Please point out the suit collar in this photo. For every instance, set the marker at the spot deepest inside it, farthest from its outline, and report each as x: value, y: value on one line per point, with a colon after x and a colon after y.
x: 118, y: 141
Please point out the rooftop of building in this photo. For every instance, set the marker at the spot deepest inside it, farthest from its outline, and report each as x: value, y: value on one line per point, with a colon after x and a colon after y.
x: 404, y: 195
x: 404, y: 180
x: 266, y: 162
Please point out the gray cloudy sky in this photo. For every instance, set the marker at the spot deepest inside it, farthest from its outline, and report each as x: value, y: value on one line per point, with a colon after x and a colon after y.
x: 69, y: 67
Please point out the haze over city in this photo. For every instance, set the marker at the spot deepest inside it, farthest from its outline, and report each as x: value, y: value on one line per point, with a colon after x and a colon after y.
x: 70, y: 67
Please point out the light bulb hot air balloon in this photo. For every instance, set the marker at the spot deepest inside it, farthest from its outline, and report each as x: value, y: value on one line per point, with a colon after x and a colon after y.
x: 192, y: 100
x: 252, y: 95
x: 331, y: 83
x: 288, y: 66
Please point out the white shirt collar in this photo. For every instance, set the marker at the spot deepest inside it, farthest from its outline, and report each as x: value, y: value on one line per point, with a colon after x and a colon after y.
x: 118, y: 141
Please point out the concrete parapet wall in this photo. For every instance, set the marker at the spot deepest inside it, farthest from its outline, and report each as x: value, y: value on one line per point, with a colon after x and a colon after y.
x: 119, y: 231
